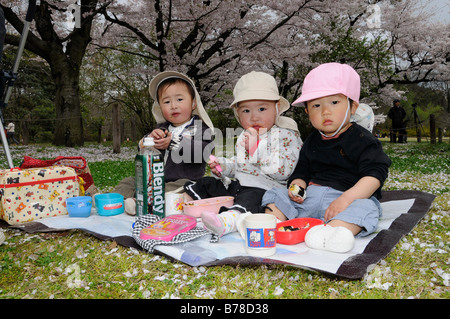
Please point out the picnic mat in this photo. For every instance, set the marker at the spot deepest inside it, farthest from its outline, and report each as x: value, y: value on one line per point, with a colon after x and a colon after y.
x: 402, y: 210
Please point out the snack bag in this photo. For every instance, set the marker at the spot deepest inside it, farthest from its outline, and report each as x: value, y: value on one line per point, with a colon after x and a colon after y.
x: 168, y: 227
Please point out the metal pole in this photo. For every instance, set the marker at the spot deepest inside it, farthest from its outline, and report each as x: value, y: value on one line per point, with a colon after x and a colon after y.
x: 26, y: 27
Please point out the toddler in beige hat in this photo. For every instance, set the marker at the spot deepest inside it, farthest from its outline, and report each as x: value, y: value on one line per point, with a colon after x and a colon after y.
x: 266, y: 153
x: 184, y: 134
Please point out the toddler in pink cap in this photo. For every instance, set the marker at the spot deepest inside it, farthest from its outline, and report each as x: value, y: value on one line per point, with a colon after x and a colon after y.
x: 342, y: 165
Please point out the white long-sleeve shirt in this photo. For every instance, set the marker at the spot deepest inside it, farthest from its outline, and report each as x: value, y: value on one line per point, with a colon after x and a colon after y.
x: 10, y: 127
x: 270, y: 165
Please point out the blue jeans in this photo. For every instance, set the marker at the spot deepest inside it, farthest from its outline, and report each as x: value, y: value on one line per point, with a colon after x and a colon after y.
x: 362, y: 212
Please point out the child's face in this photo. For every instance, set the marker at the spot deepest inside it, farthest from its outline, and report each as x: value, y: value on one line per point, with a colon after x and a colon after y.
x: 176, y: 103
x: 257, y: 114
x: 327, y: 113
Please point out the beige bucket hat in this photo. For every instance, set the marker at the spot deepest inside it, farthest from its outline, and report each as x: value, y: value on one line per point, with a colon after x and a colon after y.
x: 262, y: 86
x: 156, y: 109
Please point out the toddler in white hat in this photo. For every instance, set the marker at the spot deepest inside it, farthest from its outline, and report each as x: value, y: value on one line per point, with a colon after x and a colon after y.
x: 266, y: 153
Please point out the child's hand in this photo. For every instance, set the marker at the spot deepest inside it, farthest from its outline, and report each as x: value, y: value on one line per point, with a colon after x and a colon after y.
x: 297, y: 199
x: 158, y: 134
x: 364, y: 188
x: 161, y: 138
x: 337, y: 206
x: 213, y: 163
x: 163, y: 143
x: 250, y: 141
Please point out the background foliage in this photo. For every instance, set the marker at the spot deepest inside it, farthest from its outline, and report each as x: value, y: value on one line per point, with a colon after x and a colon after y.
x: 120, y: 46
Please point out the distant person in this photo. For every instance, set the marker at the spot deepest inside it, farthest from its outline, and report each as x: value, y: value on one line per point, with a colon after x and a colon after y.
x: 397, y: 114
x: 10, y: 131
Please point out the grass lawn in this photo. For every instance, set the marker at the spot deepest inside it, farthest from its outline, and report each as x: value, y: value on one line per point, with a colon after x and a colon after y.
x: 73, y: 264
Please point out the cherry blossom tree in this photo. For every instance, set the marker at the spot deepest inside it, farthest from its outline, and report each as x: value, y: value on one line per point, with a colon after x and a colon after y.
x: 213, y: 42
x: 216, y: 41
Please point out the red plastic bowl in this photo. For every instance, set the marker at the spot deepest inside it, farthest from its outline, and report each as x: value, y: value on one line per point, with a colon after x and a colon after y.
x: 295, y: 236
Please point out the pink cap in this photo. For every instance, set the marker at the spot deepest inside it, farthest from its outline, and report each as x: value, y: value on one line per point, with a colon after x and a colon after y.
x: 329, y: 79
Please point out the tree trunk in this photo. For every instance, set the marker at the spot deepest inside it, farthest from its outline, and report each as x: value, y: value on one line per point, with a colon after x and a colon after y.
x: 69, y: 123
x: 25, y: 132
x: 432, y: 129
x: 133, y: 127
x: 116, y: 127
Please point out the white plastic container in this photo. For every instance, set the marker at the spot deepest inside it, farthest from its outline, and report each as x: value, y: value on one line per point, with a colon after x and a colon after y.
x: 260, y: 230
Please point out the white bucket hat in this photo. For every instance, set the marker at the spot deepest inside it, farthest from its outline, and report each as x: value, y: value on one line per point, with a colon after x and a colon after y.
x: 262, y: 86
x: 364, y: 116
x: 156, y: 109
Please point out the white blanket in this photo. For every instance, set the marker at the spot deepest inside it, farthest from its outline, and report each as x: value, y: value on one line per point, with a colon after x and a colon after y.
x: 230, y: 248
x: 201, y: 251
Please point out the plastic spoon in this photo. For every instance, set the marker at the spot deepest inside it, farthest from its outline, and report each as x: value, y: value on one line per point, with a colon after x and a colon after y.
x: 225, y: 179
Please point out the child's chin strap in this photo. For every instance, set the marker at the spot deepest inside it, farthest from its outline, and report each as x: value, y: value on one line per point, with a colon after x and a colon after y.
x: 342, y: 124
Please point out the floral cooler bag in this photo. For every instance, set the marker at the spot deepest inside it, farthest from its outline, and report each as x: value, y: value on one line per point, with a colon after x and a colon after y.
x: 78, y: 163
x: 35, y: 193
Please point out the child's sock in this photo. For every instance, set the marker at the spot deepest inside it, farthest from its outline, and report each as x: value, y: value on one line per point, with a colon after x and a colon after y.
x: 325, y: 237
x: 221, y: 224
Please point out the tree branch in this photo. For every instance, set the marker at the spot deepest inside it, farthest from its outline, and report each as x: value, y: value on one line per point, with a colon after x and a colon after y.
x: 133, y: 29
